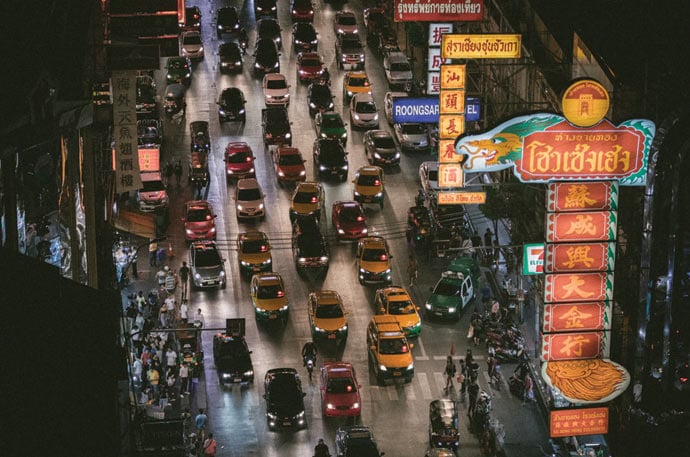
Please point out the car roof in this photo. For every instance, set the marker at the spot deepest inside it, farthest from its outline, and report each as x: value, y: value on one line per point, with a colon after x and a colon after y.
x: 288, y: 150
x: 267, y: 278
x: 338, y: 369
x: 372, y: 240
x: 201, y: 204
x: 275, y: 76
x: 369, y: 170
x: 327, y: 297
x: 363, y: 97
x: 396, y: 94
x: 397, y: 56
x: 252, y: 235
x: 356, y: 74
x: 347, y: 204
x: 237, y: 146
x: 203, y: 245
x: 307, y: 186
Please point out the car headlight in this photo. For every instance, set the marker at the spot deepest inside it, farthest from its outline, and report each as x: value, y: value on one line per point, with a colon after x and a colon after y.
x: 357, y: 194
x: 451, y: 309
x: 227, y: 376
x: 356, y: 116
x: 261, y: 206
x: 355, y: 405
x: 386, y: 272
x: 239, y: 207
x: 257, y: 65
x: 382, y: 368
x: 213, y: 230
x: 411, y: 366
x: 322, y: 168
x: 323, y: 135
x: 341, y: 232
x: 340, y: 30
x: 397, y: 155
x: 344, y: 167
x: 314, y: 41
x: 242, y: 111
x: 349, y: 93
x: 221, y: 112
x: 221, y: 274
x: 238, y: 63
x: 343, y: 328
x: 379, y: 194
x: 362, y: 270
x: 323, y: 258
x: 365, y: 231
x: 244, y: 264
x: 249, y: 373
x: 330, y: 406
x: 330, y: 105
x: 302, y: 260
x: 311, y: 104
x: 273, y: 8
x: 302, y: 173
x: 288, y: 135
x: 220, y: 27
x: 356, y: 30
x: 271, y: 416
x: 377, y: 155
x: 281, y: 174
x: 189, y: 232
x: 427, y: 305
x: 376, y: 116
x: 266, y: 262
x: 201, y: 49
x: 318, y: 329
x: 283, y: 308
x: 197, y: 276
x: 277, y: 64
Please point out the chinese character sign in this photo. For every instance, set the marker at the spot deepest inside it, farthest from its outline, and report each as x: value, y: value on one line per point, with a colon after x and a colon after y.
x: 451, y: 101
x: 578, y: 287
x: 582, y: 196
x: 574, y: 257
x: 433, y: 82
x: 450, y: 175
x: 446, y: 152
x: 436, y: 30
x: 125, y: 131
x: 572, y: 346
x: 581, y: 226
x: 435, y: 61
x: 453, y: 76
x: 450, y: 126
x: 577, y: 317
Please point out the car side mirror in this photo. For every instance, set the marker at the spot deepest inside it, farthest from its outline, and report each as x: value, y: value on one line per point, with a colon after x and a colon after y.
x: 381, y: 310
x: 411, y: 345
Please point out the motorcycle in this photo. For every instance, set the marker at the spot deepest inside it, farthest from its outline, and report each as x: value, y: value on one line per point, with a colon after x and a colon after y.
x: 174, y: 100
x: 309, y: 362
x: 516, y: 382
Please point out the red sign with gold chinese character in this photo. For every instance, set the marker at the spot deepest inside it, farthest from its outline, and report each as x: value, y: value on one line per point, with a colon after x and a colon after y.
x: 573, y: 257
x: 450, y: 126
x: 451, y: 101
x: 584, y: 196
x: 578, y: 287
x: 453, y: 76
x: 577, y: 317
x: 572, y: 346
x: 450, y: 175
x: 578, y: 422
x: 585, y: 226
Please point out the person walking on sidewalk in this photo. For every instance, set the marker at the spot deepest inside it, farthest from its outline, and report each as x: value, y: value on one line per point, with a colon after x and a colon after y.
x: 412, y: 269
x: 210, y: 446
x: 184, y: 280
x: 153, y: 253
x: 200, y: 422
x: 178, y: 172
x: 528, y: 390
x: 449, y: 371
x: 184, y: 312
x: 184, y: 378
x: 473, y: 393
x: 199, y: 320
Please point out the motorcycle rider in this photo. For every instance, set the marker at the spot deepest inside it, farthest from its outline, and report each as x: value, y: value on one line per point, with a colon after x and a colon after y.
x: 321, y: 449
x: 309, y: 352
x: 244, y: 40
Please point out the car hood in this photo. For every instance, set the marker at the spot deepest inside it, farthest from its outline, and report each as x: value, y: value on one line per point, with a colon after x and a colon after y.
x: 255, y: 258
x: 396, y: 360
x: 288, y: 406
x: 331, y: 324
x: 374, y: 267
x: 291, y: 169
x: 407, y: 320
x: 304, y: 208
x: 244, y: 166
x: 310, y: 247
x: 208, y: 271
x: 276, y: 92
x: 342, y: 399
x: 250, y: 203
x: 271, y: 304
x: 368, y: 190
x: 234, y: 364
x: 201, y: 225
x: 404, y: 75
x: 333, y: 131
x: 385, y: 151
x: 352, y: 226
x: 443, y: 301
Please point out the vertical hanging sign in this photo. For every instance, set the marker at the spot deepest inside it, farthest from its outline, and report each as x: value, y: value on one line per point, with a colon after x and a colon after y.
x: 127, y: 176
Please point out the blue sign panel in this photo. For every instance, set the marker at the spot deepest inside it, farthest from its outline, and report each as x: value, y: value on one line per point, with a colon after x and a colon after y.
x: 424, y: 110
x: 472, y: 109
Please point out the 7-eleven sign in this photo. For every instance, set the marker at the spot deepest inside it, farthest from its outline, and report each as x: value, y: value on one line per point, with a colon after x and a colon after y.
x: 533, y: 259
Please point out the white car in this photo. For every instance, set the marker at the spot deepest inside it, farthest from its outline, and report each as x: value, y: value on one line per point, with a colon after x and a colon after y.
x: 345, y: 22
x: 363, y: 112
x: 276, y: 89
x: 388, y: 104
x: 249, y: 199
x: 412, y: 136
x: 398, y: 70
x: 428, y: 175
x: 191, y: 45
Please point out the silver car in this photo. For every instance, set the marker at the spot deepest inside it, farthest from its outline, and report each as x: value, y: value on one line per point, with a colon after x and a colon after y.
x: 412, y: 136
x: 249, y: 200
x: 191, y: 45
x: 363, y: 112
x: 380, y: 148
x: 206, y: 265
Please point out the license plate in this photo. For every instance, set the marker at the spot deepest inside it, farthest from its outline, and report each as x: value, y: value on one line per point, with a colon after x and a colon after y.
x: 331, y: 336
x: 237, y: 380
x: 272, y: 316
x: 438, y: 313
x: 396, y: 373
x: 256, y: 269
x: 287, y: 424
x: 367, y: 199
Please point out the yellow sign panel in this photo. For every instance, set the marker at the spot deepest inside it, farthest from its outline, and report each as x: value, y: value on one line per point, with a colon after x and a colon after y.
x: 585, y: 103
x: 446, y: 152
x: 451, y: 101
x: 453, y: 76
x: 461, y: 198
x: 481, y: 46
x: 450, y: 175
x: 450, y: 126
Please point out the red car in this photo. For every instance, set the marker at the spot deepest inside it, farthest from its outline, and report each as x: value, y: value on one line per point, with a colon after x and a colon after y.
x: 340, y: 390
x: 309, y: 66
x: 239, y: 161
x: 199, y: 223
x: 349, y: 220
x: 302, y: 10
x: 289, y: 164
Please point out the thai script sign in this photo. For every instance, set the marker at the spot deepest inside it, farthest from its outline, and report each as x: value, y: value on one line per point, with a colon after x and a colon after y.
x: 481, y: 46
x: 127, y: 176
x: 592, y: 195
x: 533, y: 259
x: 572, y: 346
x: 578, y: 287
x: 577, y: 422
x: 460, y: 198
x: 438, y: 10
x: 577, y: 317
x: 544, y: 147
x: 580, y: 226
x: 577, y: 257
x: 408, y: 109
x: 450, y: 175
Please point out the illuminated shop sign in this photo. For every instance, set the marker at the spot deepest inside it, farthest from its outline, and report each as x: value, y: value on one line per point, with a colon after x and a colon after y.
x: 438, y: 10
x: 481, y: 46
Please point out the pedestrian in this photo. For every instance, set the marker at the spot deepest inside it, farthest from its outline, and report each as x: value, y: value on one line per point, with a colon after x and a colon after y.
x: 184, y: 377
x: 153, y: 253
x: 168, y: 172
x: 491, y: 367
x: 163, y: 397
x: 469, y: 358
x: 170, y: 358
x: 161, y: 255
x: 478, y: 327
x: 170, y: 281
x: 140, y: 300
x: 178, y: 172
x: 470, y: 333
x: 199, y: 320
x: 473, y: 393
x: 449, y: 371
x: 528, y: 389
x: 131, y: 313
x: 135, y: 336
x: 184, y: 312
x: 153, y: 377
x: 210, y: 446
x: 135, y: 268
x: 463, y: 380
x: 488, y: 239
x: 412, y: 269
x: 200, y: 421
x: 184, y: 280
x: 486, y: 296
x: 495, y: 310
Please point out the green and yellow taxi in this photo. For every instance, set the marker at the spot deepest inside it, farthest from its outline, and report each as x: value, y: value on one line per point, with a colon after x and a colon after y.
x: 369, y: 185
x: 269, y: 297
x: 396, y: 302
x: 327, y: 316
x: 254, y: 252
x: 389, y: 352
x: 373, y: 261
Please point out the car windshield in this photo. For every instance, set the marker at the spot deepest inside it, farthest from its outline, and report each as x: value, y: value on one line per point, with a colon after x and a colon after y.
x: 228, y: 50
x: 192, y: 39
x: 177, y: 64
x: 400, y: 66
x: 284, y: 389
x: 275, y: 116
x: 320, y: 90
x: 330, y: 311
x: 384, y: 142
x: 247, y: 195
x: 375, y: 255
x: 365, y: 107
x: 276, y: 84
x: 310, y: 62
x: 341, y: 386
x: 269, y: 28
x: 290, y: 159
x: 413, y: 129
x: 361, y: 448
x: 207, y: 258
x: 305, y: 197
x: 401, y: 307
x: 368, y: 180
x: 198, y: 215
x: 393, y: 346
x: 353, y: 214
x: 433, y: 175
x: 153, y: 186
x: 359, y: 82
x: 447, y: 288
x: 347, y: 20
x: 239, y: 157
x: 332, y: 122
x: 253, y: 246
x: 333, y: 155
x: 232, y: 349
x: 272, y: 291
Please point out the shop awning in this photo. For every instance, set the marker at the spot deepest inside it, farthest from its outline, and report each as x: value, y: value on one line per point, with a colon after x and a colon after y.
x: 135, y: 222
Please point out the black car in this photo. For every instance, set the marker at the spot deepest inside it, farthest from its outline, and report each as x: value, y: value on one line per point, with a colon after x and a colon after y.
x: 266, y: 57
x: 276, y: 126
x: 349, y: 52
x: 309, y: 246
x: 192, y: 18
x: 265, y: 8
x: 149, y: 131
x: 229, y: 57
x: 355, y: 441
x: 269, y: 28
x: 304, y: 37
x: 330, y: 158
x: 146, y: 98
x: 231, y: 105
x: 320, y: 98
x: 227, y: 20
x: 284, y: 399
x: 200, y: 139
x: 232, y: 359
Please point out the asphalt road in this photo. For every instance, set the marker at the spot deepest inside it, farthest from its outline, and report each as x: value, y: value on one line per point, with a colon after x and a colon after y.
x: 398, y: 414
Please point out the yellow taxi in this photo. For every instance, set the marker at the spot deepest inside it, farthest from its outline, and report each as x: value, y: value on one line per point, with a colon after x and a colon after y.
x: 389, y: 352
x: 396, y: 302
x: 269, y: 297
x: 307, y: 200
x: 254, y: 252
x: 373, y: 261
x: 369, y: 185
x: 355, y: 82
x: 327, y: 316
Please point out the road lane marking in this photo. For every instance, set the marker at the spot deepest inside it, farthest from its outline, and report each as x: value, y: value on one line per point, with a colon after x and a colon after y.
x: 423, y: 381
x: 422, y: 355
